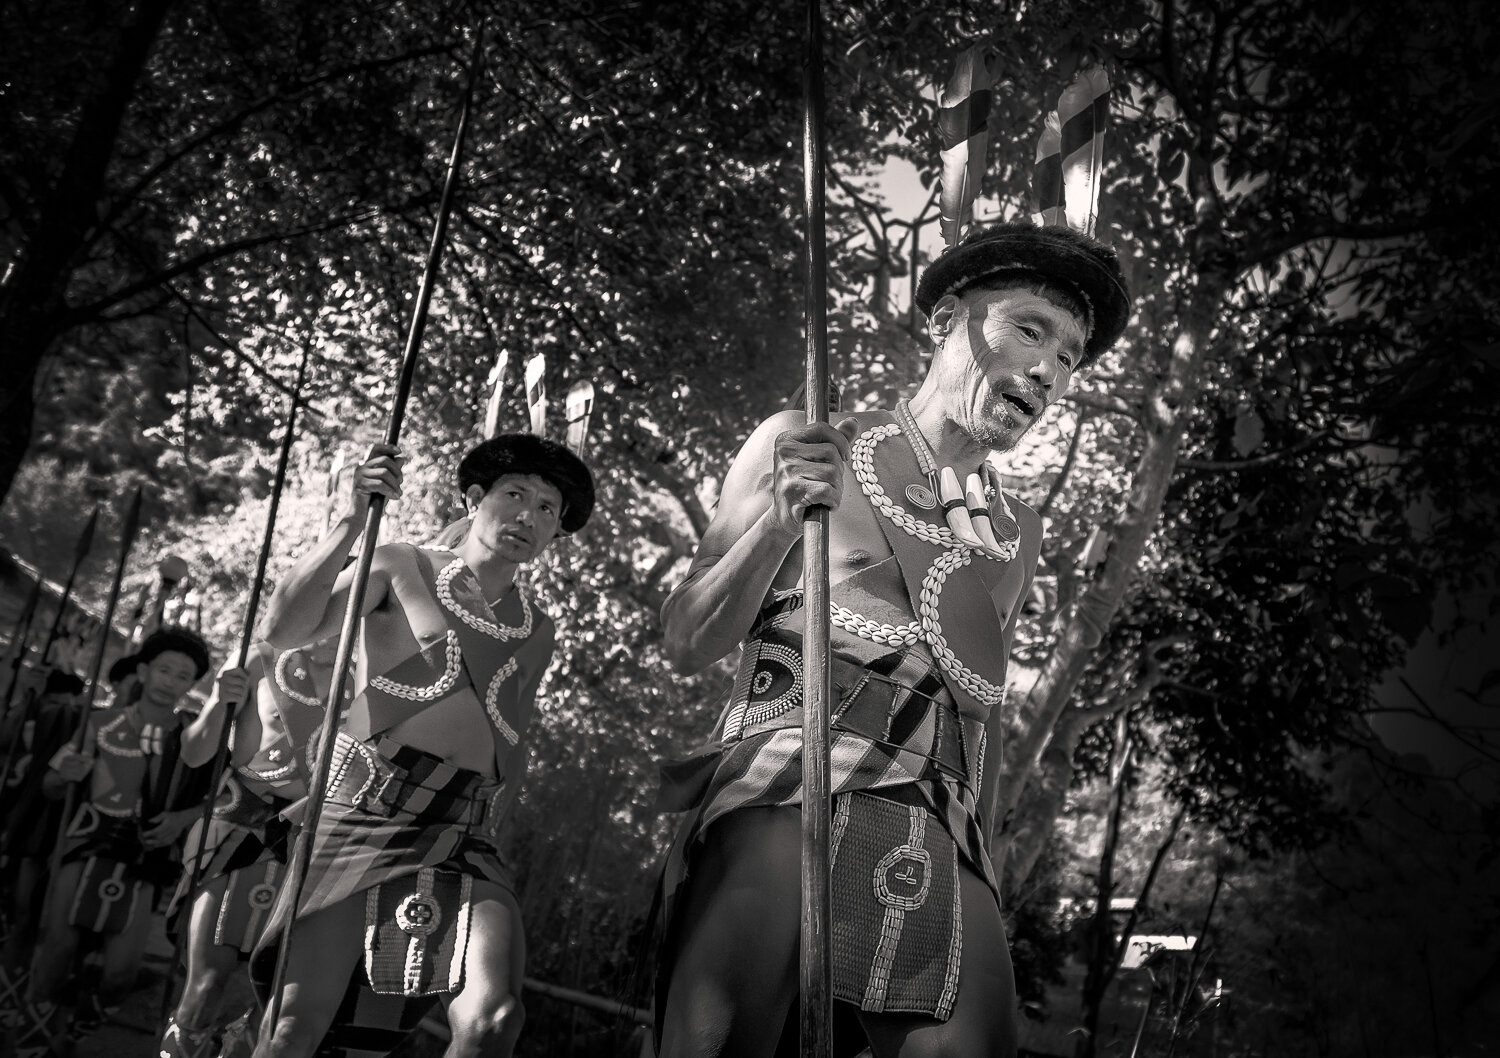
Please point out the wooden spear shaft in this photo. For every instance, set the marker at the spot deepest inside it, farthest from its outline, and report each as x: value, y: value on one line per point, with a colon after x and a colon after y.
x: 19, y: 641
x: 318, y: 781
x: 127, y: 541
x: 80, y: 552
x: 816, y: 981
x: 242, y: 655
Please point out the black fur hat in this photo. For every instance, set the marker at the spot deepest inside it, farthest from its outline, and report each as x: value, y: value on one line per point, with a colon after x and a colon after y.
x: 526, y: 453
x: 1059, y: 254
x: 182, y: 640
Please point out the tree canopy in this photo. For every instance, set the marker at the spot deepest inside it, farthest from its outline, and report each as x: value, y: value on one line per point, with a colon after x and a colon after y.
x: 1254, y: 504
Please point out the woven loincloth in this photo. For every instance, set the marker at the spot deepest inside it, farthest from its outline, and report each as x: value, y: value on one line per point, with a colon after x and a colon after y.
x: 896, y: 918
x: 895, y: 730
x: 246, y: 843
x: 389, y: 812
x: 416, y: 933
x: 249, y: 894
x: 92, y: 834
x: 108, y: 897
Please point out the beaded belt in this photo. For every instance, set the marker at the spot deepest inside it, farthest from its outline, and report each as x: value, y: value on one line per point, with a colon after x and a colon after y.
x: 882, y: 703
x: 390, y: 777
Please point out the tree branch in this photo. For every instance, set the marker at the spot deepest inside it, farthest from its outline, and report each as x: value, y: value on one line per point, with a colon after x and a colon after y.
x: 234, y: 121
x: 1255, y: 462
x: 1107, y: 404
x: 92, y: 310
x: 1067, y: 467
x: 1271, y: 246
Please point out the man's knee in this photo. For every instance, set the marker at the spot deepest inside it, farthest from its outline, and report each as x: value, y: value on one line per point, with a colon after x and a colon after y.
x: 202, y: 992
x: 51, y: 962
x: 493, y: 1021
x: 293, y: 1037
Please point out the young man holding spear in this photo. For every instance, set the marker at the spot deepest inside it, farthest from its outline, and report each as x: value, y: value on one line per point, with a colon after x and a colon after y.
x: 234, y: 870
x: 120, y: 847
x: 930, y: 561
x: 404, y: 881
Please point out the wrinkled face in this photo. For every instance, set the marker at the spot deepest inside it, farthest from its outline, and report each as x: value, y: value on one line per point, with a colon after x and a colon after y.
x: 167, y: 677
x: 517, y: 518
x: 1003, y: 358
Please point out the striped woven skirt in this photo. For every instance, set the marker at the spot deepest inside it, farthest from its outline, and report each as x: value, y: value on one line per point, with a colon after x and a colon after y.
x: 895, y: 733
x: 390, y: 812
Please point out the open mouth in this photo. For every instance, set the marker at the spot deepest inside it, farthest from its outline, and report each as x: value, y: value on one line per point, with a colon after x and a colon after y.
x: 1024, y: 404
x: 520, y: 538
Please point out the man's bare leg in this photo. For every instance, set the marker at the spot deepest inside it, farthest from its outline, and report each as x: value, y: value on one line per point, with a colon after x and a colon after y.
x: 21, y: 940
x: 210, y: 967
x: 326, y: 945
x: 487, y: 1015
x: 983, y: 1020
x: 735, y: 974
x: 122, y: 957
x: 56, y: 951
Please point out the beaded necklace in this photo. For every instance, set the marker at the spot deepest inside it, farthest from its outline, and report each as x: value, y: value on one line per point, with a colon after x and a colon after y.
x: 957, y: 553
x: 966, y: 510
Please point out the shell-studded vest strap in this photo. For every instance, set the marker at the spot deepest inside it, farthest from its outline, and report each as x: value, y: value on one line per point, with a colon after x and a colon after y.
x: 489, y: 647
x: 294, y: 690
x: 953, y: 588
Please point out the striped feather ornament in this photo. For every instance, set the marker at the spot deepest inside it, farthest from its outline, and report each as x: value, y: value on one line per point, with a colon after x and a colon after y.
x: 1070, y: 154
x: 963, y: 122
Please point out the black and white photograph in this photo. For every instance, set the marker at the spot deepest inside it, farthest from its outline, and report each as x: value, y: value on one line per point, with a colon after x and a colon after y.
x: 722, y: 529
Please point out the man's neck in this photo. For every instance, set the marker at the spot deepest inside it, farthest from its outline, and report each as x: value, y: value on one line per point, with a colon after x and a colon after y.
x: 951, y: 446
x: 151, y: 713
x: 496, y: 575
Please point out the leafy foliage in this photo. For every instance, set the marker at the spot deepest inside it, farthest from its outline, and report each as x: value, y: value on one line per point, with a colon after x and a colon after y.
x: 1255, y: 504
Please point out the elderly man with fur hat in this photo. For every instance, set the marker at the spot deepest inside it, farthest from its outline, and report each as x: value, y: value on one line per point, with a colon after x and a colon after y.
x: 405, y: 882
x: 931, y: 559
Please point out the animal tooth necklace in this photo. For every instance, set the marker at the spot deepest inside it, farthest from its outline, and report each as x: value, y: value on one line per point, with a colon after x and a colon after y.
x: 965, y: 510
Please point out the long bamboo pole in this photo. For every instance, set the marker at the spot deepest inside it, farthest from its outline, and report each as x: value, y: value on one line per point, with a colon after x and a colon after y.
x: 80, y: 552
x: 19, y: 642
x: 816, y: 978
x: 127, y: 541
x: 199, y: 859
x: 317, y: 785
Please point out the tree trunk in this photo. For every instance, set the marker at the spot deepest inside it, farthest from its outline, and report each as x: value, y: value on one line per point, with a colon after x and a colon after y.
x: 1166, y: 414
x: 1102, y: 945
x: 33, y: 306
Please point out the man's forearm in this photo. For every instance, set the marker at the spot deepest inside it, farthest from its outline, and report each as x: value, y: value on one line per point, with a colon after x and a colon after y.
x: 53, y: 786
x: 711, y: 612
x: 200, y: 739
x: 300, y: 601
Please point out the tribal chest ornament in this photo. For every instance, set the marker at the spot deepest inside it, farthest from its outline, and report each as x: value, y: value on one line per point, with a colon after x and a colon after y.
x: 930, y: 553
x: 479, y: 654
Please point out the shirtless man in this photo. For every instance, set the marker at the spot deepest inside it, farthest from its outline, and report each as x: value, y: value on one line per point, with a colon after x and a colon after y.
x: 137, y: 798
x: 920, y: 953
x: 246, y: 843
x: 405, y: 882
